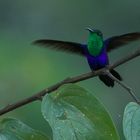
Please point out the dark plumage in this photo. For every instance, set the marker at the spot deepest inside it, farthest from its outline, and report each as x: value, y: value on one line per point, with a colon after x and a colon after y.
x: 65, y: 46
x: 72, y: 47
x: 118, y: 41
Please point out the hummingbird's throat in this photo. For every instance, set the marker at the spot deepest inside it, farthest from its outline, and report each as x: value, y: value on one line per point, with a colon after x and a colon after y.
x: 95, y: 47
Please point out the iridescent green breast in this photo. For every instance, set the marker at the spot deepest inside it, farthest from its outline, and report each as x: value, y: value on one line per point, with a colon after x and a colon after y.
x: 95, y: 44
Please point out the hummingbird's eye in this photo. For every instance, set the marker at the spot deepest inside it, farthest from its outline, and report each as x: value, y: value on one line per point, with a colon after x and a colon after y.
x: 99, y: 33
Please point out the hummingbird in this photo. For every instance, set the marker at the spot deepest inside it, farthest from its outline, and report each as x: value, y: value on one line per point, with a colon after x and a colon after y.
x: 95, y: 50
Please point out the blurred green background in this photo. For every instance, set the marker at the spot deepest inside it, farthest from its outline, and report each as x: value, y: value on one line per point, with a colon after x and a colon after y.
x: 26, y: 69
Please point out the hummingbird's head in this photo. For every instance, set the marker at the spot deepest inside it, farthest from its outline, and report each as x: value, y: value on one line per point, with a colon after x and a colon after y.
x: 95, y: 32
x: 95, y: 41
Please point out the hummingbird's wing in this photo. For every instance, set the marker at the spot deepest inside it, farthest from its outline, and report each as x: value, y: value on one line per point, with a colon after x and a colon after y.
x: 118, y: 41
x: 65, y: 46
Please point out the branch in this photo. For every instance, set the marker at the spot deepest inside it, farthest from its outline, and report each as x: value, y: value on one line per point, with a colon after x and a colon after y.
x: 39, y: 95
x: 124, y: 86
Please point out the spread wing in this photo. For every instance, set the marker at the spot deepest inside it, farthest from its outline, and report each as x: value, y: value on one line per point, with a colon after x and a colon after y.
x: 70, y: 47
x: 118, y: 41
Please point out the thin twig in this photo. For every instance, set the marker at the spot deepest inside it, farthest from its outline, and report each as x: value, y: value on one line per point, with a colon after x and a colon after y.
x: 124, y: 86
x: 38, y: 96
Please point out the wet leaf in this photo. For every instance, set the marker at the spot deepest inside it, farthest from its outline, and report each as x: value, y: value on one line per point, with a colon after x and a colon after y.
x: 131, y: 121
x: 75, y: 114
x: 13, y: 129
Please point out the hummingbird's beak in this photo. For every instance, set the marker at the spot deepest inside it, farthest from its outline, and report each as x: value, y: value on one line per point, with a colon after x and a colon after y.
x: 89, y: 29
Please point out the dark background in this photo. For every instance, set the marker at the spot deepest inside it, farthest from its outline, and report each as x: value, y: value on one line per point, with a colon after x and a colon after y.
x: 26, y: 69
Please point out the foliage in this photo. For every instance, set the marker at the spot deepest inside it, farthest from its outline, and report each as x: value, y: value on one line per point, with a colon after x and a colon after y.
x: 131, y: 121
x: 13, y: 129
x: 74, y: 114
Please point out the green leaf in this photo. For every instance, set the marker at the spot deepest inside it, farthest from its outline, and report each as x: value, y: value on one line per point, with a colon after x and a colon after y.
x: 131, y: 121
x: 13, y: 129
x: 75, y: 114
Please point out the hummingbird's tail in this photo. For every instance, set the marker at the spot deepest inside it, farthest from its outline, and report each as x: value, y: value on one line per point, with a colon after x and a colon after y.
x: 107, y: 80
